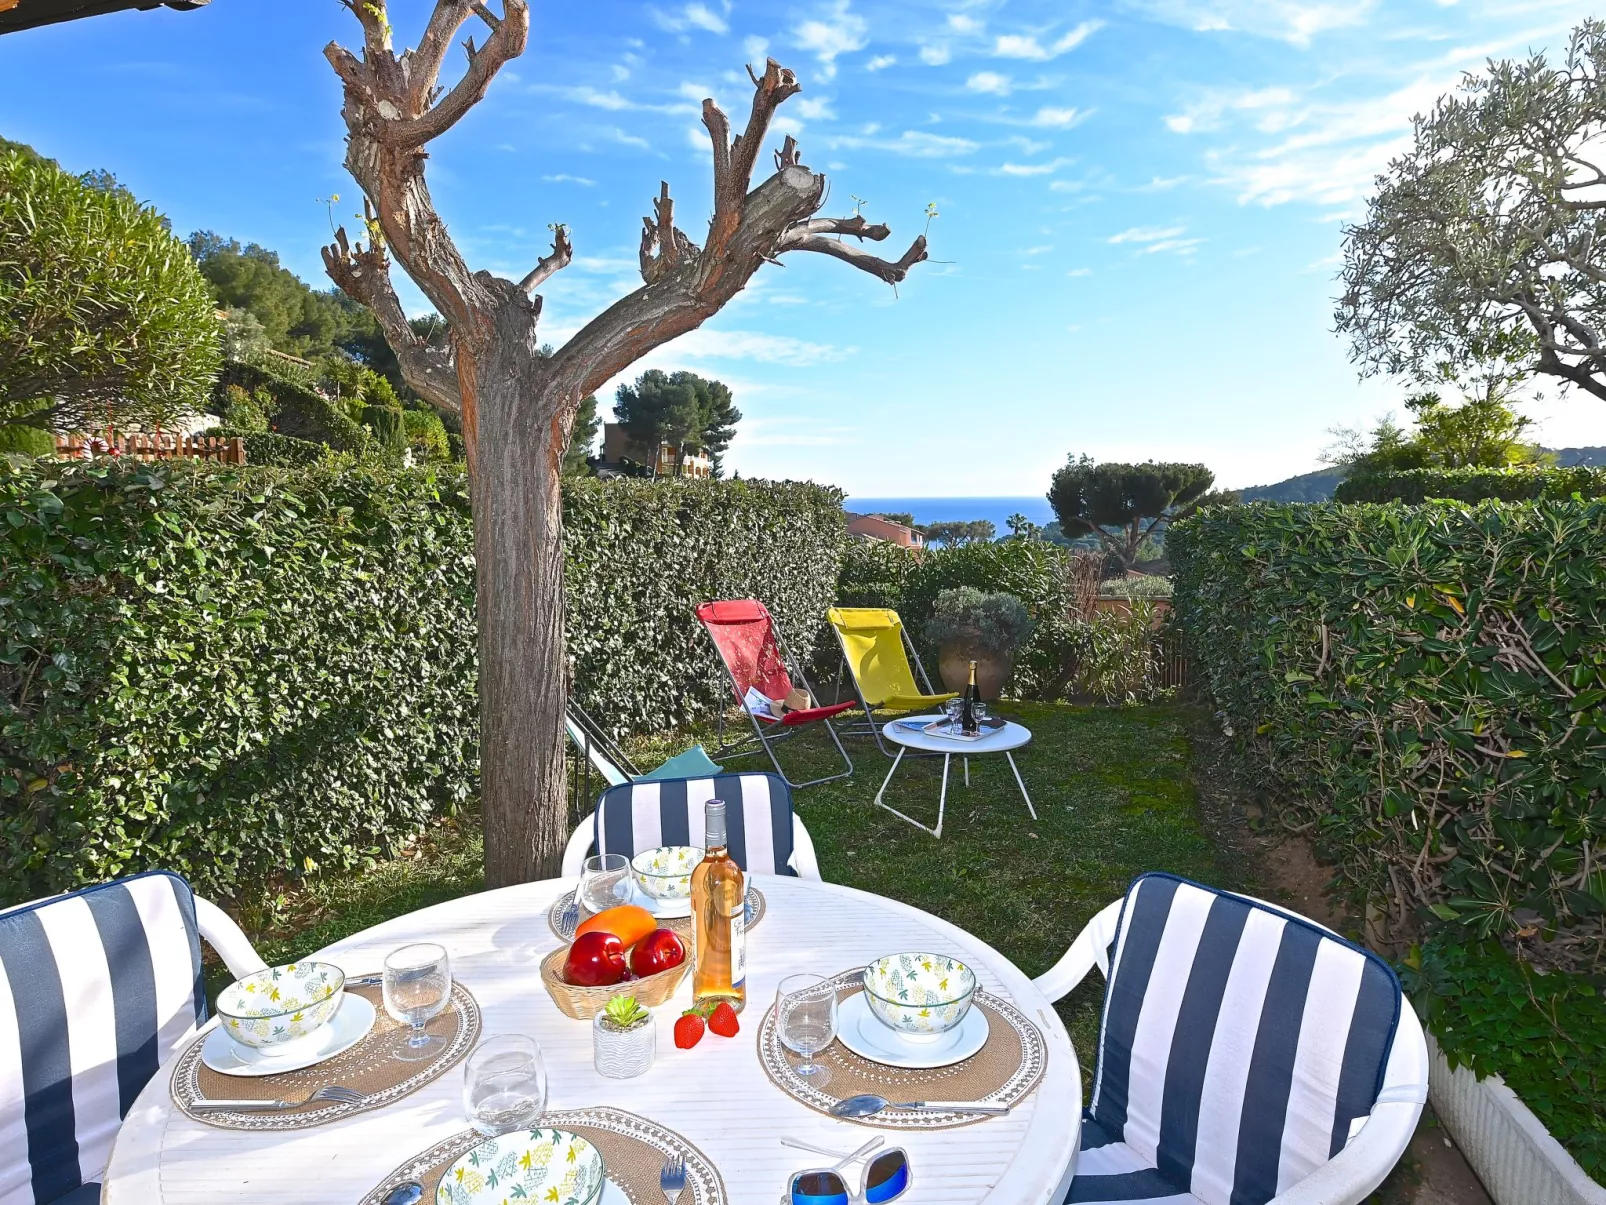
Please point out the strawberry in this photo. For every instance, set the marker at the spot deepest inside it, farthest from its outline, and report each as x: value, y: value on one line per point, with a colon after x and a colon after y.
x: 689, y: 1029
x: 723, y: 1020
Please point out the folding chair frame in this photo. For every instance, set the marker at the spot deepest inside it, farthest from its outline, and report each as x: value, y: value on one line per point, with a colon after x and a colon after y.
x: 794, y: 670
x: 867, y: 725
x: 593, y: 738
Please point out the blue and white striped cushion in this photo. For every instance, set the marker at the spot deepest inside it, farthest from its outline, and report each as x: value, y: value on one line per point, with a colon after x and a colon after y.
x: 1238, y: 1049
x: 97, y: 989
x: 758, y: 818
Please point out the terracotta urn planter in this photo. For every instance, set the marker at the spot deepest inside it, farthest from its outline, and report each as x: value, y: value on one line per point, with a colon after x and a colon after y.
x: 992, y: 670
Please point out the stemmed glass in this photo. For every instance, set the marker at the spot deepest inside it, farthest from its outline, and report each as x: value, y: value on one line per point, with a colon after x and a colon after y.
x: 805, y: 1018
x: 505, y: 1085
x: 417, y: 985
x: 605, y: 881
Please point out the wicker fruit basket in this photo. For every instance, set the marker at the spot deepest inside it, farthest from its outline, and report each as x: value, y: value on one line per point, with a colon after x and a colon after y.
x: 583, y: 1003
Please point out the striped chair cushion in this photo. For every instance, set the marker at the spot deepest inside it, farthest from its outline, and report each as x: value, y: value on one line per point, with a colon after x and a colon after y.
x: 1239, y: 1049
x: 97, y: 989
x: 643, y: 815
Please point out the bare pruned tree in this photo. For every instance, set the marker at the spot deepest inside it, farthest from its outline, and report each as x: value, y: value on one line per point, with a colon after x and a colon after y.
x: 516, y: 405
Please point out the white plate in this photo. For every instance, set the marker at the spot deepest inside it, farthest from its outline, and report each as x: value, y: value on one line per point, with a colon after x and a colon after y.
x: 670, y: 909
x: 345, y: 1029
x: 862, y: 1032
x: 612, y: 1194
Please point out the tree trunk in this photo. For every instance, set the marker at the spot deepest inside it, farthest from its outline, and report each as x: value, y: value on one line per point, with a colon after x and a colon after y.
x: 518, y: 550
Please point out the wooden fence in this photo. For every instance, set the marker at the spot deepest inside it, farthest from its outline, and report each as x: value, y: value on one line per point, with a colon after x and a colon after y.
x: 155, y: 446
x: 1171, y: 663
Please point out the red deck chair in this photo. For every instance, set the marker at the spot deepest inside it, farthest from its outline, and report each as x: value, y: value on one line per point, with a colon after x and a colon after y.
x: 751, y: 648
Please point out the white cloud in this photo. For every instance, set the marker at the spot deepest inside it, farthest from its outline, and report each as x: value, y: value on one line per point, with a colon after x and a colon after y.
x: 1059, y: 119
x: 1032, y: 169
x: 1147, y: 234
x: 1026, y: 46
x: 989, y: 81
x: 620, y: 136
x: 705, y: 344
x: 916, y: 144
x: 1296, y: 22
x: 963, y: 23
x: 815, y: 108
x: 600, y: 100
x: 565, y: 178
x: 1206, y: 112
x: 693, y: 16
x: 837, y: 31
x: 1080, y: 272
x: 756, y: 48
x: 1178, y: 246
x: 935, y: 54
x: 1037, y: 250
x: 881, y: 61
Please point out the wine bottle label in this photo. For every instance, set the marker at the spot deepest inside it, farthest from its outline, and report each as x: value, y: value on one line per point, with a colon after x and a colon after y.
x: 739, y: 944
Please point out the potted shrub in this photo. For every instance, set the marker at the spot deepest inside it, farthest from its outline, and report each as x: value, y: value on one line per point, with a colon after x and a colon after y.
x: 967, y: 625
x: 624, y: 1040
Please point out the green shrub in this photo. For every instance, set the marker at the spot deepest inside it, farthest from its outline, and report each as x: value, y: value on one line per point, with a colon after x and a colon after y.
x: 386, y: 424
x: 978, y: 622
x: 1425, y: 685
x: 247, y: 413
x: 298, y: 411
x: 426, y: 435
x: 26, y: 440
x: 227, y: 672
x: 1474, y: 485
x: 1118, y: 655
x: 235, y: 672
x: 874, y: 573
x: 1545, y: 1035
x: 284, y: 451
x: 104, y: 317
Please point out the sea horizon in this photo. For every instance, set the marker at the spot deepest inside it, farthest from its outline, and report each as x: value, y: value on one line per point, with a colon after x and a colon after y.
x: 960, y: 509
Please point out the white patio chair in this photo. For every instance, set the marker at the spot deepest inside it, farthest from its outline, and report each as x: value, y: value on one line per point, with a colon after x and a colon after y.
x: 1247, y: 1056
x: 97, y: 990
x: 765, y: 836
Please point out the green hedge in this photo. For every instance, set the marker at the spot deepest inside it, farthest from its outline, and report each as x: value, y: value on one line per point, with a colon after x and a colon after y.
x: 227, y: 672
x: 643, y: 554
x: 26, y: 441
x: 284, y: 451
x: 301, y: 412
x: 1474, y: 485
x: 235, y: 672
x: 1425, y: 686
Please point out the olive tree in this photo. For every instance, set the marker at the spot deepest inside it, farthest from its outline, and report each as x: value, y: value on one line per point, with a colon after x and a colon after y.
x: 104, y: 319
x: 1484, y: 242
x: 1123, y: 504
x: 517, y: 406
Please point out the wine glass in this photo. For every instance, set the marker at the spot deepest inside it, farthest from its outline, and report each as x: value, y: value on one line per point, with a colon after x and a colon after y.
x: 805, y: 1018
x: 504, y: 1085
x: 605, y: 881
x: 417, y: 985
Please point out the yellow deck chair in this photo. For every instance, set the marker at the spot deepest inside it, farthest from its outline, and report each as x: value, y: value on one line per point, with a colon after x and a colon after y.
x: 878, y: 652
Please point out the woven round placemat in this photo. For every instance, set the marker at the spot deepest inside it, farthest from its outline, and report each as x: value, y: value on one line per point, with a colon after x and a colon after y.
x: 681, y: 924
x: 633, y: 1152
x: 367, y: 1067
x: 1002, y: 1072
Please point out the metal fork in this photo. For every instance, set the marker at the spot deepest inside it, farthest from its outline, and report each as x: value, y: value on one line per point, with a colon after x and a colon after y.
x: 334, y: 1093
x: 569, y: 918
x: 672, y: 1179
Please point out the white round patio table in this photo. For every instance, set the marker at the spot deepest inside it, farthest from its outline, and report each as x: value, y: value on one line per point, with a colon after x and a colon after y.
x: 906, y: 734
x: 715, y: 1094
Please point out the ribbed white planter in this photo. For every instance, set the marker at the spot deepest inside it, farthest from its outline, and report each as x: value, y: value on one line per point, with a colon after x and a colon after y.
x: 1510, y: 1149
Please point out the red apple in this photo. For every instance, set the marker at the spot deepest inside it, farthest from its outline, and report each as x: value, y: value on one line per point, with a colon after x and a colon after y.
x: 658, y: 951
x: 595, y: 960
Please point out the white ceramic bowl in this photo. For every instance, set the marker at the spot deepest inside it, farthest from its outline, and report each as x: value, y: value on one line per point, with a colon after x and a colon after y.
x: 280, y: 1004
x: 917, y: 994
x: 665, y: 873
x: 554, y: 1167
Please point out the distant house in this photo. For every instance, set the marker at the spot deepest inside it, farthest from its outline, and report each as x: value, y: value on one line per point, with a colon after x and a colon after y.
x: 876, y: 528
x: 620, y: 452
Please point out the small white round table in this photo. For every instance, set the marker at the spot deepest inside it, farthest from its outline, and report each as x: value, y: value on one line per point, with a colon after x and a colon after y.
x: 715, y: 1094
x: 906, y: 734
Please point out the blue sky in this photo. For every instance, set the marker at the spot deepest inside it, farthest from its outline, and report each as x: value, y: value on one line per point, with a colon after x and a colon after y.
x: 1140, y: 202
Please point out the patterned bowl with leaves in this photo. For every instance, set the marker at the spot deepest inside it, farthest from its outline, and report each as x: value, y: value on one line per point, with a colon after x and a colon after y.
x: 280, y: 1004
x: 918, y: 994
x: 665, y: 873
x: 555, y: 1167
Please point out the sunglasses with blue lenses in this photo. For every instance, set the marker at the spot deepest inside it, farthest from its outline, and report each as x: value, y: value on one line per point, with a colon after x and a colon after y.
x: 886, y: 1178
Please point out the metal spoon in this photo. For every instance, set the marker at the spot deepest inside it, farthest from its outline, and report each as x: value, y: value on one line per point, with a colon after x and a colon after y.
x: 410, y: 1193
x: 869, y: 1103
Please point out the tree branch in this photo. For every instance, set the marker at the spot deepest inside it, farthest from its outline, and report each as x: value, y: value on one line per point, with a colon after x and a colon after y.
x: 734, y: 157
x: 363, y: 274
x: 855, y: 227
x: 423, y: 64
x: 548, y: 265
x: 891, y: 271
x: 507, y: 41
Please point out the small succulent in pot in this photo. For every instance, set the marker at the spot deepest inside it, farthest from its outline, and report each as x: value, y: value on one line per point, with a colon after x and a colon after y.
x: 624, y: 1041
x: 967, y: 625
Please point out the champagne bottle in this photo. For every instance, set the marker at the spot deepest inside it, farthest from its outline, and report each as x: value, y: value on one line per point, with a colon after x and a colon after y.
x: 719, y: 918
x: 968, y: 723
